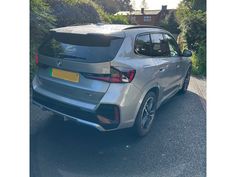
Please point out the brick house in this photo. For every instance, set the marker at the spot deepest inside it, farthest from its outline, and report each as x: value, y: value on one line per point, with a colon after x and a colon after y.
x: 147, y: 17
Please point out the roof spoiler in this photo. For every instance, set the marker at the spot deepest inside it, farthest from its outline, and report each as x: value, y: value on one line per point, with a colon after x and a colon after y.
x: 143, y: 26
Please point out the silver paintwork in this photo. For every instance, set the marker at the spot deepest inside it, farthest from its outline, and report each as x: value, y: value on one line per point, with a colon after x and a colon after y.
x: 166, y: 75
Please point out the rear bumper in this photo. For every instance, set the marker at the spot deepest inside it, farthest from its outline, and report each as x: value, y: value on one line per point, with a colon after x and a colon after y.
x: 124, y: 96
x: 71, y: 112
x: 81, y: 121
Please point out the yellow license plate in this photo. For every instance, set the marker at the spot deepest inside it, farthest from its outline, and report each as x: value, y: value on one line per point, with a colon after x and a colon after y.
x: 65, y: 75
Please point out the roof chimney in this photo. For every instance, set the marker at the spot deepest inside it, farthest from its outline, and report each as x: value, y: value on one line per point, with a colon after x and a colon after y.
x: 142, y: 10
x: 164, y: 7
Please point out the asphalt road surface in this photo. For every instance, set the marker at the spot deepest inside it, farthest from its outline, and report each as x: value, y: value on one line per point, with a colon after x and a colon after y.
x: 175, y: 147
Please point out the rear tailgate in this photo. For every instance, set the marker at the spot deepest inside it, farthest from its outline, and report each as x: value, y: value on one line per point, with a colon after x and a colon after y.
x: 65, y: 58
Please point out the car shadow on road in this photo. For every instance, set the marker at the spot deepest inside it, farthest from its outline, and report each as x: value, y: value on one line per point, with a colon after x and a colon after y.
x: 61, y: 148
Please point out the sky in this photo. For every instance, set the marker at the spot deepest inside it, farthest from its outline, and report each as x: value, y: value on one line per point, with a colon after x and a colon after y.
x: 156, y: 4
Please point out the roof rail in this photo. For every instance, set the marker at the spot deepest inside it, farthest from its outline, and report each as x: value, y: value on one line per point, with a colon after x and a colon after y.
x: 143, y: 26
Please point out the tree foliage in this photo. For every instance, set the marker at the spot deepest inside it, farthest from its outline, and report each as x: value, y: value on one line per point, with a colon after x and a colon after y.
x: 113, y: 6
x: 119, y: 19
x: 41, y: 20
x: 191, y: 15
x: 195, y: 4
x: 170, y: 23
x: 72, y: 12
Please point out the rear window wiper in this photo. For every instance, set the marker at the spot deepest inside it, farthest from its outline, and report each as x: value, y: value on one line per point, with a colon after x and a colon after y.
x: 70, y: 56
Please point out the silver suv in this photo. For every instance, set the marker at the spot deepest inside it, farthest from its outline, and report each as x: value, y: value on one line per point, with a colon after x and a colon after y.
x: 109, y: 76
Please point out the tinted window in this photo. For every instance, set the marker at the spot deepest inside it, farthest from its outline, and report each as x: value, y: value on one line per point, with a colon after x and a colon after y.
x: 174, y: 49
x: 143, y: 45
x: 84, y: 48
x: 160, y: 46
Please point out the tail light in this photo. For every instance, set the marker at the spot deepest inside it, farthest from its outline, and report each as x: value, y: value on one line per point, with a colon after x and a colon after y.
x: 36, y: 58
x: 118, y: 75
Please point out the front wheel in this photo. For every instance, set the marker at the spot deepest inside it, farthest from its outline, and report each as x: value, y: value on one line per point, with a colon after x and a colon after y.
x: 146, y: 115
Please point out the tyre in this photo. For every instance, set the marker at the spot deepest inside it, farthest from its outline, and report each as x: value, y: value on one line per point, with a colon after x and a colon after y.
x: 184, y: 88
x: 145, y: 115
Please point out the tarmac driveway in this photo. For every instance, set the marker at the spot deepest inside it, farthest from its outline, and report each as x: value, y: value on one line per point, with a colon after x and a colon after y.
x: 176, y: 146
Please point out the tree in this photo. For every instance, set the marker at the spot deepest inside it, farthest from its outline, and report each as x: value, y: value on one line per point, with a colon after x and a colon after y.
x: 170, y: 23
x: 195, y: 4
x: 124, y: 5
x: 144, y: 4
x: 72, y: 12
x: 113, y: 6
x: 41, y: 20
x: 133, y: 4
x: 191, y: 16
x: 199, y: 5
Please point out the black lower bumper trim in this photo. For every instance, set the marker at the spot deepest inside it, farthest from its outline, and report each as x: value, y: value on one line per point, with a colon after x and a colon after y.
x: 70, y: 110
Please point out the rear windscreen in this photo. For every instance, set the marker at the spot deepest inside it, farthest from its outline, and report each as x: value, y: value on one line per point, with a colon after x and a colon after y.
x: 84, y: 48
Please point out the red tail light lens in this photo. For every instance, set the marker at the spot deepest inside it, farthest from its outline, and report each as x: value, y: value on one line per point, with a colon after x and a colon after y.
x: 118, y: 75
x: 36, y: 58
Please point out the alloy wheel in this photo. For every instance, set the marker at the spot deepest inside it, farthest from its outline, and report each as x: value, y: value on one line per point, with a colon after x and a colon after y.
x: 148, y: 113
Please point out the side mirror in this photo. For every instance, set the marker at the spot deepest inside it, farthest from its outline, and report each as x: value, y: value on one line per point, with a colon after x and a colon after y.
x: 186, y: 53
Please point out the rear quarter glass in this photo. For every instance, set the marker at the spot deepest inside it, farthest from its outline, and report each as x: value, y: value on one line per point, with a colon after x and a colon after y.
x: 89, y: 48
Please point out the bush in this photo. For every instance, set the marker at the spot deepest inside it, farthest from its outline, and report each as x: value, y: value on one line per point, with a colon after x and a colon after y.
x: 195, y: 30
x: 41, y: 20
x: 199, y: 61
x: 119, y: 19
x: 193, y: 34
x: 75, y: 12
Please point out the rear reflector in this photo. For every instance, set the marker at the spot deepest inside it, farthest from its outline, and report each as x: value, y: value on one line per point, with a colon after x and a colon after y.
x: 36, y: 58
x: 108, y: 114
x: 103, y: 119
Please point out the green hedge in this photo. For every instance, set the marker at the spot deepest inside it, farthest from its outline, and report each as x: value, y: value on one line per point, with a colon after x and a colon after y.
x: 193, y: 33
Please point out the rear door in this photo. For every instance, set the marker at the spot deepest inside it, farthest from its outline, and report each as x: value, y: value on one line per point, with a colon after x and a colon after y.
x: 66, y: 59
x: 166, y: 65
x: 175, y: 57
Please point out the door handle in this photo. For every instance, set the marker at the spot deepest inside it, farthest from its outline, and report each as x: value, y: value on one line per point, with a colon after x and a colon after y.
x: 162, y: 69
x: 146, y: 66
x: 177, y: 66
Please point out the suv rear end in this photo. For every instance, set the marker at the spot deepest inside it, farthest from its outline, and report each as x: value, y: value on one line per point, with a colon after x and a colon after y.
x: 75, y: 78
